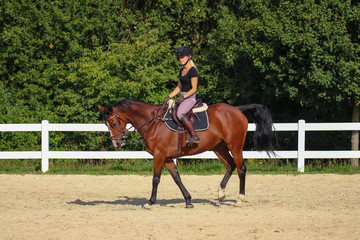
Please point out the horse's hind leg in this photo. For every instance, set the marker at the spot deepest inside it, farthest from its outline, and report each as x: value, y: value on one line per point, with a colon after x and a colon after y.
x: 170, y: 165
x: 223, y: 154
x: 241, y: 169
x: 242, y: 183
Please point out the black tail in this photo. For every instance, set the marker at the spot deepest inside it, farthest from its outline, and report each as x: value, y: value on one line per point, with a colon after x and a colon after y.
x: 264, y: 133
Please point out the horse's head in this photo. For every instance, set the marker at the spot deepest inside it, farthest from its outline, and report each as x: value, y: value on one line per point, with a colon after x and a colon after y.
x: 115, y: 120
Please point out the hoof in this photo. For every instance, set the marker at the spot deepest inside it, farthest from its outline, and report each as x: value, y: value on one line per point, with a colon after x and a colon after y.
x: 146, y: 206
x: 221, y: 194
x: 240, y: 200
x: 189, y: 206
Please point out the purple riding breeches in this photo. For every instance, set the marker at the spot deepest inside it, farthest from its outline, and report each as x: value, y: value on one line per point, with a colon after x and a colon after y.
x: 186, y: 105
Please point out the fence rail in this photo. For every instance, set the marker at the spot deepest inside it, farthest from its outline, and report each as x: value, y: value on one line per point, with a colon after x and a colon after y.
x: 45, y: 154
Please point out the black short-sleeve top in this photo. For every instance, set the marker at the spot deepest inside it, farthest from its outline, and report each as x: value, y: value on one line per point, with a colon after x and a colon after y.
x: 186, y: 80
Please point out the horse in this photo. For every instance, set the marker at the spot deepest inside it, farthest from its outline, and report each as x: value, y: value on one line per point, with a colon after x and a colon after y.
x: 226, y: 134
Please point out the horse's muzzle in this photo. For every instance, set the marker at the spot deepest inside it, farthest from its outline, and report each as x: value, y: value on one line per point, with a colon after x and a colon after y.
x: 118, y: 143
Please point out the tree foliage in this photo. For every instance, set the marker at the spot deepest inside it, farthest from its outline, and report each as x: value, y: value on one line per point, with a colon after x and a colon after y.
x: 60, y: 59
x: 303, y: 51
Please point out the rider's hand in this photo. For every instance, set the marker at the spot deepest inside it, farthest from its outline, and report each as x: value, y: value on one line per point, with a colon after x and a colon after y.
x: 180, y: 99
x: 166, y: 100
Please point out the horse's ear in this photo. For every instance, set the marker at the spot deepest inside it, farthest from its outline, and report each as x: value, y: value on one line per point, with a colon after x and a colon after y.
x: 101, y: 108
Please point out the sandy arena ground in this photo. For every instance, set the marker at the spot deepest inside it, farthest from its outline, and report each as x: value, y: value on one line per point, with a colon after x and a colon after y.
x: 109, y: 207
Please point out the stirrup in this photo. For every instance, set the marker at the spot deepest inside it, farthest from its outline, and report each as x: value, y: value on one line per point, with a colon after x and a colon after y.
x: 193, y: 140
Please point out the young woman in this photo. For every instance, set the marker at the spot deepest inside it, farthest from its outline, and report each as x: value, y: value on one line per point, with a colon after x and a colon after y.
x: 187, y: 87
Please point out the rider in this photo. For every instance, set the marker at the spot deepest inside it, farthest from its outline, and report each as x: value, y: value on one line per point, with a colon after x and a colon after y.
x: 187, y: 87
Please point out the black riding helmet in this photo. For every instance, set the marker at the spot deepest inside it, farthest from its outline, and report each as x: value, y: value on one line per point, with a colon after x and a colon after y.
x: 184, y: 51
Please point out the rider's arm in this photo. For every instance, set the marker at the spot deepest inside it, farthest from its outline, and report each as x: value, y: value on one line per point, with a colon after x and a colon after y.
x: 176, y: 90
x: 194, y: 83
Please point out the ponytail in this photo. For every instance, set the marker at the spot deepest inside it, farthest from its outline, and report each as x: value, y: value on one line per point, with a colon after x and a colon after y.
x: 193, y: 64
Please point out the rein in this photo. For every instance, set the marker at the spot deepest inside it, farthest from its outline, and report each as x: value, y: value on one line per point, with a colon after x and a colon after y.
x: 151, y: 121
x: 126, y: 132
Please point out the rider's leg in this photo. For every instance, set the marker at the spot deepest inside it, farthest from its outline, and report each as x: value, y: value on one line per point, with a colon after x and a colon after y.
x: 184, y: 107
x: 189, y: 126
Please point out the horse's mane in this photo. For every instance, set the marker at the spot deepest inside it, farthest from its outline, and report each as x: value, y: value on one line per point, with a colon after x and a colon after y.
x: 122, y: 105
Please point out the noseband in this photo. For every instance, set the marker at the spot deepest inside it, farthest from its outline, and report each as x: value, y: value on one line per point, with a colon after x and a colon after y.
x: 122, y: 131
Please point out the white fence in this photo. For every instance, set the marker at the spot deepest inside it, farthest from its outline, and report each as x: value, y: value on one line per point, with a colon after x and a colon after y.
x: 45, y: 154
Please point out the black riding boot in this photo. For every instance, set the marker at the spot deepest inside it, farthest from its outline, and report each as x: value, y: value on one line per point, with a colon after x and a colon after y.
x: 194, y: 138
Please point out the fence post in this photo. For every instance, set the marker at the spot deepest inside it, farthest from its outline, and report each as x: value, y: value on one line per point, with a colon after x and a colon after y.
x: 44, y: 145
x: 301, y: 146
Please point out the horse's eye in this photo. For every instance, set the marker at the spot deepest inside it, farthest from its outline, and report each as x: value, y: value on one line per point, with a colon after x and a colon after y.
x: 114, y: 125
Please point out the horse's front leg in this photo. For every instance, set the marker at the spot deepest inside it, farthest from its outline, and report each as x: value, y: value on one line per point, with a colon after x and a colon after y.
x: 170, y: 165
x: 158, y: 166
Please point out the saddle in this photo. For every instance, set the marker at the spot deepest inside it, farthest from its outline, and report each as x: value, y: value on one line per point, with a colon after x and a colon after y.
x: 197, y: 115
x: 198, y: 107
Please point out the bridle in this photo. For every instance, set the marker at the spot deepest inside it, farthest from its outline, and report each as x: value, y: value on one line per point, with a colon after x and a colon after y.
x: 124, y: 132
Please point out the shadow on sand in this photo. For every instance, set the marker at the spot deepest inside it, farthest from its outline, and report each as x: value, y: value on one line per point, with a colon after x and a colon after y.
x: 125, y: 200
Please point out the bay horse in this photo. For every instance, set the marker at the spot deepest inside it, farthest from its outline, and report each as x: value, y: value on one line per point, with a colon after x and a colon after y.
x: 227, y: 132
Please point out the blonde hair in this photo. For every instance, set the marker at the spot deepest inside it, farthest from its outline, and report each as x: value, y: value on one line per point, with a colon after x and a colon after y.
x: 192, y: 63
